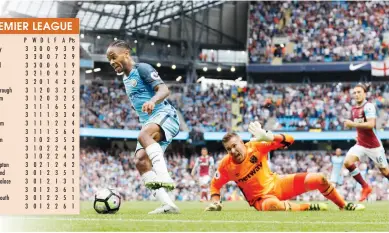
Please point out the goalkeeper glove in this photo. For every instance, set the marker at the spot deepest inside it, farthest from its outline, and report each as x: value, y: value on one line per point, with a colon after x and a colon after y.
x: 215, y: 206
x: 260, y: 134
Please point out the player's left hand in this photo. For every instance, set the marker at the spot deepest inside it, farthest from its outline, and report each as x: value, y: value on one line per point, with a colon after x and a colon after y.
x: 148, y: 107
x: 260, y: 134
x: 348, y: 124
x: 215, y: 206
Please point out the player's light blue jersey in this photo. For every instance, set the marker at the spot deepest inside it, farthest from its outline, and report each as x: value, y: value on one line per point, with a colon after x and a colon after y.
x: 337, y: 163
x: 140, y: 86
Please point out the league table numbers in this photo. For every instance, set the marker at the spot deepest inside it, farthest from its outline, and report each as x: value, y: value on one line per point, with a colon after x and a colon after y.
x: 39, y: 116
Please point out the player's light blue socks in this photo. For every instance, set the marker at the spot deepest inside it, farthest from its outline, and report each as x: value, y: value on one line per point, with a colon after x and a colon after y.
x: 160, y: 194
x: 155, y: 153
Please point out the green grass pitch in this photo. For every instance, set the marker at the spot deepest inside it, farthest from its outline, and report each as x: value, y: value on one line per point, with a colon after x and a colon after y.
x: 236, y: 216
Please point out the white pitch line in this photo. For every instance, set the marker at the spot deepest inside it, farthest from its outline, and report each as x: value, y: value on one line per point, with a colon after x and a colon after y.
x: 201, y: 221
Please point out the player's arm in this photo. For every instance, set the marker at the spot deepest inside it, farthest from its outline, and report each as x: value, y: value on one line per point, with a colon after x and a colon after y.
x: 341, y: 170
x: 370, y: 113
x: 279, y: 141
x: 194, y: 169
x: 211, y: 166
x: 219, y: 179
x: 369, y: 124
x: 151, y: 77
x: 161, y: 93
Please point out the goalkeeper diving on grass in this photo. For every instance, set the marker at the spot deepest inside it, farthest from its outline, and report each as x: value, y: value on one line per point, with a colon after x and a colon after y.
x: 247, y: 165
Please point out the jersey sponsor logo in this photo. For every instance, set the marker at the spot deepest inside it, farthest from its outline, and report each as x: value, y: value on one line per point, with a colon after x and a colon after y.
x: 252, y: 173
x: 359, y: 120
x: 253, y: 159
x: 136, y: 94
x: 133, y: 82
x: 204, y: 162
x: 155, y: 75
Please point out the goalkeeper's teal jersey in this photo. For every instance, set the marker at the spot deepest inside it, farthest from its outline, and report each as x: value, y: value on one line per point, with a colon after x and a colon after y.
x: 140, y: 86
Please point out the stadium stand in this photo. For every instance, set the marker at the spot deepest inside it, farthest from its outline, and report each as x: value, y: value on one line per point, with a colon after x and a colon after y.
x: 285, y: 107
x: 302, y: 107
x: 318, y: 31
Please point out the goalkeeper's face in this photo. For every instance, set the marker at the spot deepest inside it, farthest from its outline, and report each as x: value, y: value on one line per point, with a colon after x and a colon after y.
x: 236, y: 148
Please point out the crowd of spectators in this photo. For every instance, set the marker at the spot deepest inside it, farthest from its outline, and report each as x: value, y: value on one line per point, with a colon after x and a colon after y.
x: 309, y: 106
x: 318, y: 31
x: 116, y: 169
x: 284, y: 107
x: 208, y: 109
x: 107, y: 106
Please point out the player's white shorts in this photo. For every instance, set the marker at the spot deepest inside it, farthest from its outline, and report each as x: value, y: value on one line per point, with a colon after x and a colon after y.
x: 376, y: 154
x: 204, y: 180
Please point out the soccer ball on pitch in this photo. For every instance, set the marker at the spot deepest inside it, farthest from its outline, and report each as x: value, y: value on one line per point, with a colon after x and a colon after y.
x: 107, y: 201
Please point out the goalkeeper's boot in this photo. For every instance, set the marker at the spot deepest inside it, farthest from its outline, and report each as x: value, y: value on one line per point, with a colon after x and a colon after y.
x: 166, y: 209
x: 318, y: 207
x: 354, y: 207
x: 162, y: 181
x: 365, y: 192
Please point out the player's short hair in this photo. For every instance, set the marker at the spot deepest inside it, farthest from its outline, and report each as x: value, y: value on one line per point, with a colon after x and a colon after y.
x: 120, y: 44
x: 361, y: 85
x: 228, y: 136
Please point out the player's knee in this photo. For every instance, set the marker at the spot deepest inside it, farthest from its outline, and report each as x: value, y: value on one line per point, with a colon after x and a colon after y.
x: 271, y: 205
x: 149, y: 135
x: 323, y: 179
x: 274, y: 206
x: 350, y: 160
x: 316, y: 180
x: 348, y: 163
x: 143, y: 136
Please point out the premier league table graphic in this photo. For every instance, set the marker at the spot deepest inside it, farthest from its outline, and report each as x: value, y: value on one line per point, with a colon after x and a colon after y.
x: 39, y: 116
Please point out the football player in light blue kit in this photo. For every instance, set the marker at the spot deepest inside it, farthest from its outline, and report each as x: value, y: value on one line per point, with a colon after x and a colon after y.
x: 160, y: 124
x: 337, y: 167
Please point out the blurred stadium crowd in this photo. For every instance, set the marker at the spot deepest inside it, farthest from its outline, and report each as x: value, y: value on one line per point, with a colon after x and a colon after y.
x: 303, y: 107
x: 286, y: 107
x: 318, y: 31
x: 116, y: 168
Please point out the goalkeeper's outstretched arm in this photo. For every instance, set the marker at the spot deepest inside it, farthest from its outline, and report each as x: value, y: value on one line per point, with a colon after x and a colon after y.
x: 279, y: 141
x: 282, y: 141
x: 219, y: 179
